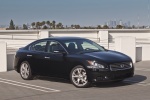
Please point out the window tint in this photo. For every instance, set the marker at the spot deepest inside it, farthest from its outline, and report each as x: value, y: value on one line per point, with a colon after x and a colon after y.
x: 82, y: 46
x: 55, y: 47
x: 72, y: 46
x: 86, y: 45
x: 39, y: 46
x: 68, y: 43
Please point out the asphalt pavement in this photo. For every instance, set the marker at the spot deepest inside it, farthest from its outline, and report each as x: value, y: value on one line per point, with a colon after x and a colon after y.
x: 13, y: 87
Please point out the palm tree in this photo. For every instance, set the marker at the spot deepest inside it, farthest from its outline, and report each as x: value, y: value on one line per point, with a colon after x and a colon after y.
x: 119, y: 27
x: 77, y: 26
x: 133, y: 26
x: 45, y: 27
x: 105, y: 27
x: 37, y: 25
x: 99, y: 27
x: 43, y: 23
x: 48, y: 23
x: 33, y: 24
x: 51, y: 25
x: 59, y: 26
x: 40, y: 25
x: 25, y: 27
x: 72, y: 26
x: 54, y: 24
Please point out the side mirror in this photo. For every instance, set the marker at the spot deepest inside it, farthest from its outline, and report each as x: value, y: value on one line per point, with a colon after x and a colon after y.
x: 104, y: 48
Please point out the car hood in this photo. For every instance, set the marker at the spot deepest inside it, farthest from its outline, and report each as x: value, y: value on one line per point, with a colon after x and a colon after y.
x: 109, y: 56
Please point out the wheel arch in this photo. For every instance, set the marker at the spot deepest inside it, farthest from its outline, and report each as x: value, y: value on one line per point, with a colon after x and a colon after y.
x: 76, y: 64
x: 83, y: 64
x: 19, y: 63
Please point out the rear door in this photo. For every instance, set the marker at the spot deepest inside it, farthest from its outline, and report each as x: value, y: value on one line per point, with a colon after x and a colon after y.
x: 37, y: 57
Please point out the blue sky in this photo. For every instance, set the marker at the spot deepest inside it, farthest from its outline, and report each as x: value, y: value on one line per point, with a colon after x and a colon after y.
x: 83, y: 12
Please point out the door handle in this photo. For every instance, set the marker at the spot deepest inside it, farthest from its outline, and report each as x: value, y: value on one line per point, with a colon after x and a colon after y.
x: 29, y: 55
x: 47, y: 57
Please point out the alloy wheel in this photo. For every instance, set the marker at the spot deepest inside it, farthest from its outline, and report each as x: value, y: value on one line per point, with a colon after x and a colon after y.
x: 25, y: 71
x: 79, y: 77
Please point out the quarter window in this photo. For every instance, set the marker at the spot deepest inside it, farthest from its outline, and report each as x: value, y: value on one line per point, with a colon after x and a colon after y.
x: 39, y: 46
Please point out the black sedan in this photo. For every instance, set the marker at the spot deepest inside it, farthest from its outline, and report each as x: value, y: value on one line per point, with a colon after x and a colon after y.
x: 79, y: 59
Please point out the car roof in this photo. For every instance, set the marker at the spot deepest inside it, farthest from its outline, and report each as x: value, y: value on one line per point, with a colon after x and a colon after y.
x: 63, y: 38
x: 57, y: 39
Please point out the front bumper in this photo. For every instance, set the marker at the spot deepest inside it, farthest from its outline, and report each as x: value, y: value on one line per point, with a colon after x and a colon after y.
x: 106, y: 76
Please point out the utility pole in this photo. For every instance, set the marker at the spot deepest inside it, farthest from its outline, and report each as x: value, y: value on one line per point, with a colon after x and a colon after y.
x: 138, y: 22
x: 148, y: 15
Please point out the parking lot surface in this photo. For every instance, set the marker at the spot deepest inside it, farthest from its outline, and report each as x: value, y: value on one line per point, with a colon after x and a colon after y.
x: 13, y: 87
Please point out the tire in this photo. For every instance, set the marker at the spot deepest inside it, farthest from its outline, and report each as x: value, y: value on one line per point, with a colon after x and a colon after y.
x: 25, y: 71
x: 78, y: 77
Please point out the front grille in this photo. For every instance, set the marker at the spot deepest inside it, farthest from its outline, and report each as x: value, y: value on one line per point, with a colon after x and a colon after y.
x: 120, y: 66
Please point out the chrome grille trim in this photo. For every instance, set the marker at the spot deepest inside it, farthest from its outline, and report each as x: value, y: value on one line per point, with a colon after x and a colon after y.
x: 120, y: 66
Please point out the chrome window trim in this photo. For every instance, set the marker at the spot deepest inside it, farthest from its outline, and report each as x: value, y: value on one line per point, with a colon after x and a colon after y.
x: 36, y: 43
x: 46, y: 43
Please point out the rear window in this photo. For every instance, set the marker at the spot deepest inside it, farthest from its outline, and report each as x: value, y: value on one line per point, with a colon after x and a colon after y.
x: 41, y: 46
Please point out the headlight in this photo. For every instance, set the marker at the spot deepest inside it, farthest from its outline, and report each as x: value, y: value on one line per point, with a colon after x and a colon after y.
x: 95, y: 65
x: 131, y: 64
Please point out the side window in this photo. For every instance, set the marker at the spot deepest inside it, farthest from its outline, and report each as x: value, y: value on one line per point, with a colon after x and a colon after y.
x: 39, y: 46
x: 55, y: 47
x: 69, y: 43
x: 87, y: 45
x: 72, y: 47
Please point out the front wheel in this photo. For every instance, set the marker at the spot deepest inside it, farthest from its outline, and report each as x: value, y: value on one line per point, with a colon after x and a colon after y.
x: 78, y: 77
x: 25, y: 71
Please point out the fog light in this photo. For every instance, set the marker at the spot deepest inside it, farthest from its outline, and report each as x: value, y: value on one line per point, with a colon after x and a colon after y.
x: 106, y: 77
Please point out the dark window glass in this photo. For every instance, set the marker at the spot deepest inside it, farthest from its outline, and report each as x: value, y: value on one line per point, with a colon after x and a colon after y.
x: 39, y: 46
x: 55, y: 47
x: 82, y: 46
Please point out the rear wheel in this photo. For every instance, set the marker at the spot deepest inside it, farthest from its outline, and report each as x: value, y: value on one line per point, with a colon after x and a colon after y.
x: 78, y: 77
x: 25, y: 71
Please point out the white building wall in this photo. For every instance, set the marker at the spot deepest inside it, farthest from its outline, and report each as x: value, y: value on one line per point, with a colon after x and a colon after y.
x: 127, y: 46
x: 103, y: 35
x: 93, y: 35
x: 138, y: 35
x: 3, y: 57
x: 145, y: 53
x: 19, y: 38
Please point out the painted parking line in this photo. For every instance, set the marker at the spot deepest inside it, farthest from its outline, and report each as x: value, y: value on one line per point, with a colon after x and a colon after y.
x: 29, y: 86
x: 142, y: 69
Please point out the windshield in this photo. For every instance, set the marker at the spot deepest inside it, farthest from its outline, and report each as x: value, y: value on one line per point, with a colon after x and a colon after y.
x: 82, y: 46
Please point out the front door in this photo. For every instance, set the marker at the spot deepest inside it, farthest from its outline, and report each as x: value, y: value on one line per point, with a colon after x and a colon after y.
x: 56, y: 60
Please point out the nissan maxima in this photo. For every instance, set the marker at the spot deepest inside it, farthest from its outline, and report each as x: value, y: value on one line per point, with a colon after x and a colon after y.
x: 78, y: 59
